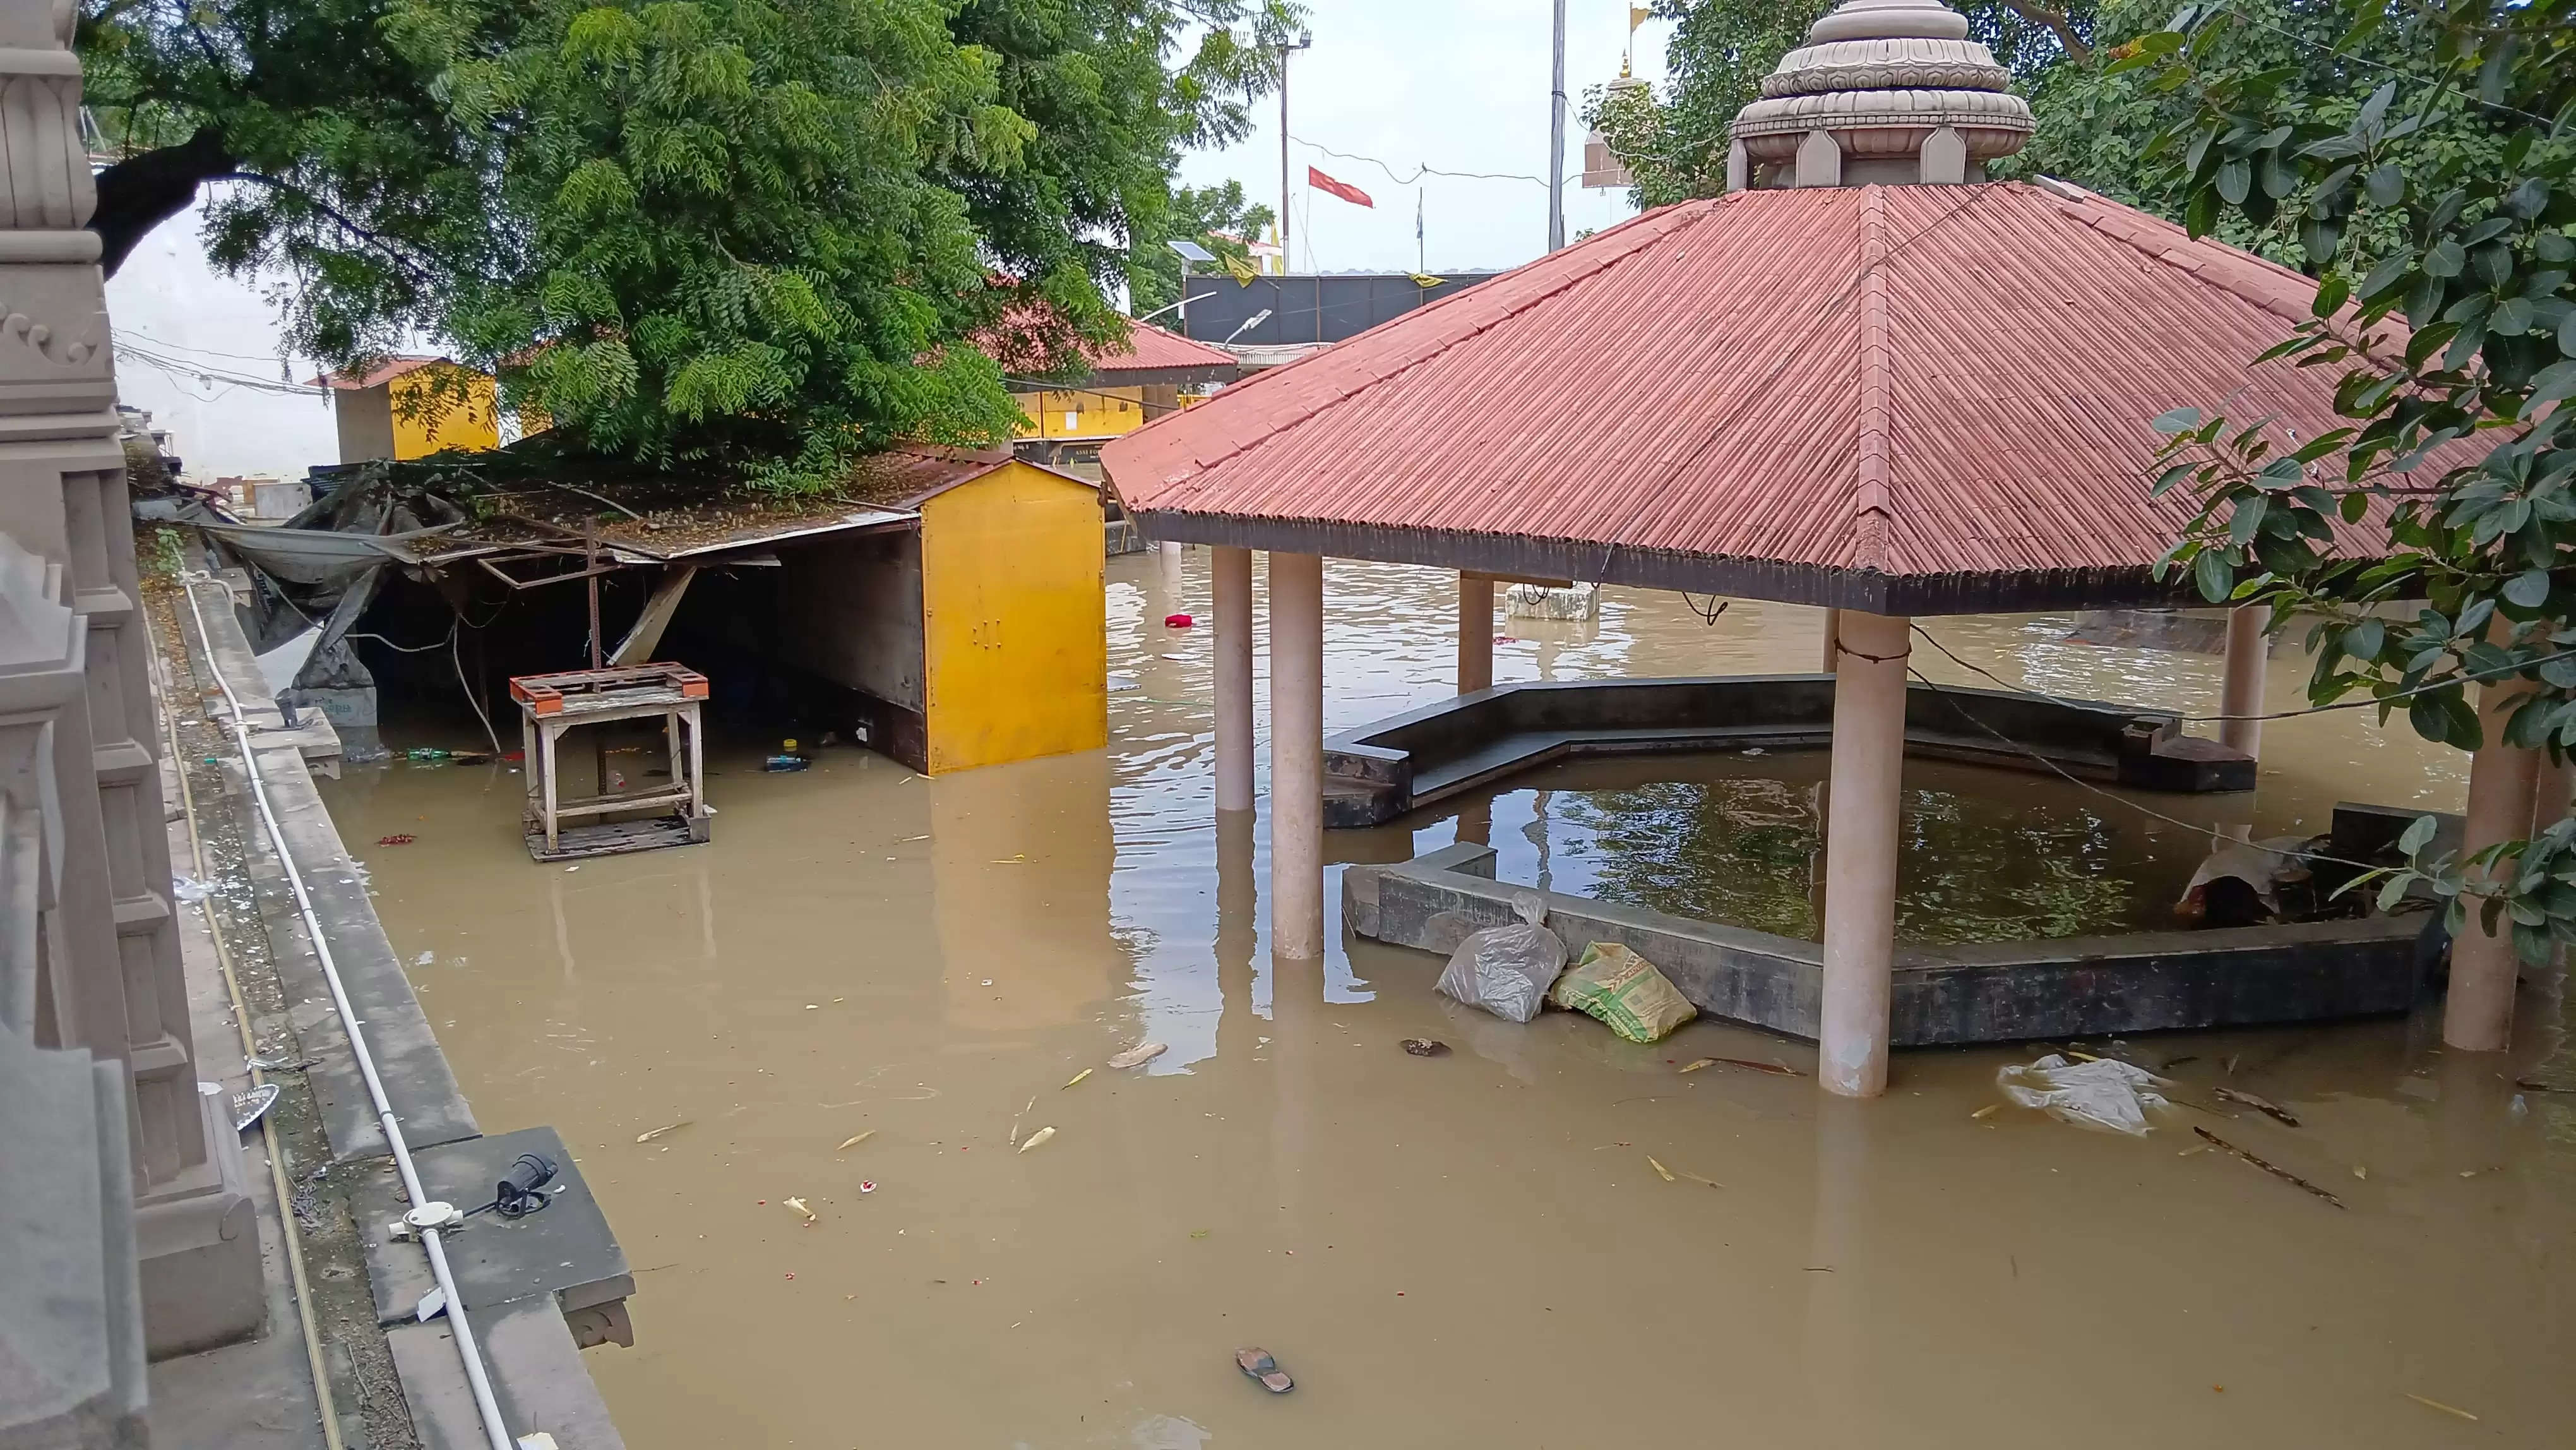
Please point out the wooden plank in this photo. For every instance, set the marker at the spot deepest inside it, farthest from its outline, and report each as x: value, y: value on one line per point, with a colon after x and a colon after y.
x: 646, y: 636
x: 610, y: 838
x: 600, y: 805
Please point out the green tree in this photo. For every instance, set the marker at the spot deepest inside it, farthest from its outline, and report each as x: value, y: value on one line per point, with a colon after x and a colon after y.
x: 1218, y: 218
x: 2443, y: 200
x: 752, y: 236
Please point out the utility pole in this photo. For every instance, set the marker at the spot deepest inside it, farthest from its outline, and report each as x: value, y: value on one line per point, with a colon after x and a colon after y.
x: 1555, y: 135
x: 1304, y: 40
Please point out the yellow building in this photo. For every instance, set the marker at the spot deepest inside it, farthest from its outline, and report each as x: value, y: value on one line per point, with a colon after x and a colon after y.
x: 411, y: 407
x: 1158, y: 372
x: 969, y: 627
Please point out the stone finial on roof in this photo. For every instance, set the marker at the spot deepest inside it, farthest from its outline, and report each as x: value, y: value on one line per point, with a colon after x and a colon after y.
x: 1883, y: 91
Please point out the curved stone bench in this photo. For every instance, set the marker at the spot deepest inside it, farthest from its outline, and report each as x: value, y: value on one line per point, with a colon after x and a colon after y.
x: 2150, y: 981
x: 1381, y: 770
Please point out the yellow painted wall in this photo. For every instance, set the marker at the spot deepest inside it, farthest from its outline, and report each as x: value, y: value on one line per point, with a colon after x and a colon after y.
x: 470, y: 423
x: 1096, y: 413
x: 1015, y: 622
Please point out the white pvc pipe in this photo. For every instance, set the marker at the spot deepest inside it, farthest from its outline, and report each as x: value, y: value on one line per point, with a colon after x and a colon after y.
x: 1296, y: 755
x: 494, y: 1430
x: 1861, y: 848
x: 1230, y: 592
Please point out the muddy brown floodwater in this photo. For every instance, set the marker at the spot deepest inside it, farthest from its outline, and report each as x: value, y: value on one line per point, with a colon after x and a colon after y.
x: 1463, y: 1250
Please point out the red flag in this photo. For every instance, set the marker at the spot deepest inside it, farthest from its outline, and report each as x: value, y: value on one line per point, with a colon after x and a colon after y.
x: 1342, y: 189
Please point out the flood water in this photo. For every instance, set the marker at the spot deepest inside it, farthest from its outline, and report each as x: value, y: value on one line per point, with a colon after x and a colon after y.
x: 1472, y: 1249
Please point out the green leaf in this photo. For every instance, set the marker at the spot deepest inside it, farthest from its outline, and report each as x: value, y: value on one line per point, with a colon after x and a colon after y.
x: 2366, y: 639
x: 2214, y: 574
x: 2331, y: 295
x: 2386, y: 184
x: 2444, y: 258
x: 2177, y: 420
x: 2235, y: 181
x: 2527, y: 590
x: 2354, y: 505
x: 2418, y: 835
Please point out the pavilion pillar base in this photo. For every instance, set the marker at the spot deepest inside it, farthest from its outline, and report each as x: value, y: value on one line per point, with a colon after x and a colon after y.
x: 1296, y: 755
x: 1861, y: 850
x: 2477, y: 1013
x: 1475, y: 633
x: 1230, y: 594
x: 2249, y: 652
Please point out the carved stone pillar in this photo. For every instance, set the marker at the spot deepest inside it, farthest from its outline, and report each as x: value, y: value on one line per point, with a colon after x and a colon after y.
x: 114, y: 987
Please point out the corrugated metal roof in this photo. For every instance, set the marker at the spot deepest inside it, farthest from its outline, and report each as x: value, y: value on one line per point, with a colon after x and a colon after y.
x: 1689, y: 388
x: 1150, y: 348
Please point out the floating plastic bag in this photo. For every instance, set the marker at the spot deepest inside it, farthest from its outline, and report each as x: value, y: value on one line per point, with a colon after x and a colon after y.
x: 1507, y: 969
x: 1625, y: 991
x: 2100, y: 1093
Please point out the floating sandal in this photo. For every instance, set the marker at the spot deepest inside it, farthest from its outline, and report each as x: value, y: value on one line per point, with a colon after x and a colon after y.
x: 1258, y: 1364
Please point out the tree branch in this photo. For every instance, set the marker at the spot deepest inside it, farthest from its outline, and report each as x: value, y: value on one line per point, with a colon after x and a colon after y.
x: 411, y: 269
x: 150, y: 187
x: 2057, y: 24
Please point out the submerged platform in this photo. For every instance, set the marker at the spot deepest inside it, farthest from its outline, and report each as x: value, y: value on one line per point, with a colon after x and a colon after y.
x: 1949, y: 995
x: 1382, y: 770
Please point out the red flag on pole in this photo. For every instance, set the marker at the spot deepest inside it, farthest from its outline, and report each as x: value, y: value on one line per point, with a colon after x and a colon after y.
x: 1342, y: 189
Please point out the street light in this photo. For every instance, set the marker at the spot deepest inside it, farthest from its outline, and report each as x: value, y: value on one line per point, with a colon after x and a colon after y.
x: 1249, y: 323
x: 1305, y: 41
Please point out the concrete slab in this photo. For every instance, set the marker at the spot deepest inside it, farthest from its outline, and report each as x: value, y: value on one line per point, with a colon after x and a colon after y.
x: 537, y: 1378
x: 566, y: 1251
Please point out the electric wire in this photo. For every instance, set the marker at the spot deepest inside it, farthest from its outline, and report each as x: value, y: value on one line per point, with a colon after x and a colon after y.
x: 2466, y: 677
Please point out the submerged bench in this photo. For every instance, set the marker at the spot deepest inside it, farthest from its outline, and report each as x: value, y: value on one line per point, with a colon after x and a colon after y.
x: 1381, y: 770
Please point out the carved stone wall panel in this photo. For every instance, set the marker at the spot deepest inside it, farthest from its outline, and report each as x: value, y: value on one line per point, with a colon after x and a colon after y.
x: 54, y: 353
x: 50, y: 188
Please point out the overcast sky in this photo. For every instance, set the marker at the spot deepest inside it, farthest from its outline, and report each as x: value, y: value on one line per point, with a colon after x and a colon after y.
x: 1460, y: 85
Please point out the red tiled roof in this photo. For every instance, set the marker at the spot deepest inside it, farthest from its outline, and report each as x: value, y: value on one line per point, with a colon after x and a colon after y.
x: 1150, y: 347
x: 1725, y: 394
x: 383, y: 372
x: 908, y: 474
x: 1149, y: 350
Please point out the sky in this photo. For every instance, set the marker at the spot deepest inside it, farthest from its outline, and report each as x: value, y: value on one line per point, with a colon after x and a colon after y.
x: 1460, y: 85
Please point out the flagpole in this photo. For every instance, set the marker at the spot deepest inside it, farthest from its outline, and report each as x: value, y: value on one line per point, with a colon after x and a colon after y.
x: 1555, y: 137
x: 1421, y: 251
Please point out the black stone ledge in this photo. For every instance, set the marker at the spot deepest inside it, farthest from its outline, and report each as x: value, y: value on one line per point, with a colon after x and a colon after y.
x: 1943, y: 996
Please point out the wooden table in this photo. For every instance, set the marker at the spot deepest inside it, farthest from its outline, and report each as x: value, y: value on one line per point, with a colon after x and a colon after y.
x: 550, y: 705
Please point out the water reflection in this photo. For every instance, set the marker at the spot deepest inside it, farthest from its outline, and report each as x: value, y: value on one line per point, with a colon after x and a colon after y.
x: 1406, y: 1233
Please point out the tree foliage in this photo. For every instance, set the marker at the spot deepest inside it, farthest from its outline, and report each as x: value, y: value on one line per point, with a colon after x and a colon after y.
x: 1219, y: 218
x: 2442, y: 200
x: 1675, y: 143
x: 752, y: 235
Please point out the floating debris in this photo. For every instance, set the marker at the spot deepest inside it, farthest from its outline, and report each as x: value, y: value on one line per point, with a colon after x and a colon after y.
x: 1424, y: 1047
x: 665, y: 1128
x: 798, y: 1205
x: 2432, y: 1404
x: 1660, y: 1170
x: 1697, y: 1064
x: 1077, y: 1077
x: 1040, y: 1136
x: 1988, y: 1111
x: 399, y: 838
x: 2262, y: 1105
x: 1774, y: 1068
x: 1258, y: 1364
x: 2284, y: 1174
x: 854, y: 1140
x: 1142, y: 1052
x: 2535, y: 1085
